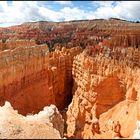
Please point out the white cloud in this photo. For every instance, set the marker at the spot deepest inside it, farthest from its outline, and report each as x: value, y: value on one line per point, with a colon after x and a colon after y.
x: 64, y: 2
x: 75, y: 14
x: 122, y: 9
x: 50, y: 14
x: 129, y: 10
x: 19, y: 12
x: 102, y: 3
x: 26, y: 11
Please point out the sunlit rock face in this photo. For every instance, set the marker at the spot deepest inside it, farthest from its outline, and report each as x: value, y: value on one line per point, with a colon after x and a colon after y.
x: 12, y: 44
x: 136, y: 134
x: 32, y: 78
x: 101, y: 83
x: 90, y: 67
x: 47, y: 124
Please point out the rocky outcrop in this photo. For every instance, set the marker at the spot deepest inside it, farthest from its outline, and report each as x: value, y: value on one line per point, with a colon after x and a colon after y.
x: 99, y: 84
x: 104, y: 79
x: 117, y: 32
x: 32, y: 78
x: 12, y: 44
x: 47, y: 124
x: 136, y: 134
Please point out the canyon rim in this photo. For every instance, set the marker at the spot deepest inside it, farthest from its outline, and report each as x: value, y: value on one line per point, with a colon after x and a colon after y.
x: 77, y: 79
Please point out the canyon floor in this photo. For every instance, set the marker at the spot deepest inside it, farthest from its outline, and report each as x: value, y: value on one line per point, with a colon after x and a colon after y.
x: 70, y: 80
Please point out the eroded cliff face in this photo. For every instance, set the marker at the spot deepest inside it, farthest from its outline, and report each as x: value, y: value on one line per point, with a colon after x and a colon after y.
x: 104, y: 79
x: 100, y: 83
x: 47, y: 124
x: 102, y: 86
x: 12, y: 44
x: 32, y: 78
x: 77, y: 33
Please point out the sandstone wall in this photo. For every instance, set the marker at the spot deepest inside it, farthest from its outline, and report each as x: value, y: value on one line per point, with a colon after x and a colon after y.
x: 12, y: 44
x: 32, y: 78
x: 99, y: 84
x: 124, y: 40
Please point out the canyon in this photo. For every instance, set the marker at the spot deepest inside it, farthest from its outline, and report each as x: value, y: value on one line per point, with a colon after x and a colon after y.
x: 83, y: 74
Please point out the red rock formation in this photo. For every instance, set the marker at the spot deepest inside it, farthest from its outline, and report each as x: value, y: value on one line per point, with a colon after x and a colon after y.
x: 119, y: 32
x: 99, y: 84
x: 104, y: 79
x: 31, y: 78
x: 12, y: 44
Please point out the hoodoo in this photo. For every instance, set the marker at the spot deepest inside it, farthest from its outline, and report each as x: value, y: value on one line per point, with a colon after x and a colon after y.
x: 76, y: 79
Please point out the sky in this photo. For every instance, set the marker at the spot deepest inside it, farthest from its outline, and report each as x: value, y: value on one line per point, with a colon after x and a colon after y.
x: 18, y: 12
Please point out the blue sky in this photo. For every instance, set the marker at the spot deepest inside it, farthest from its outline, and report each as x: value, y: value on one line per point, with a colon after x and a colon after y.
x: 17, y: 12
